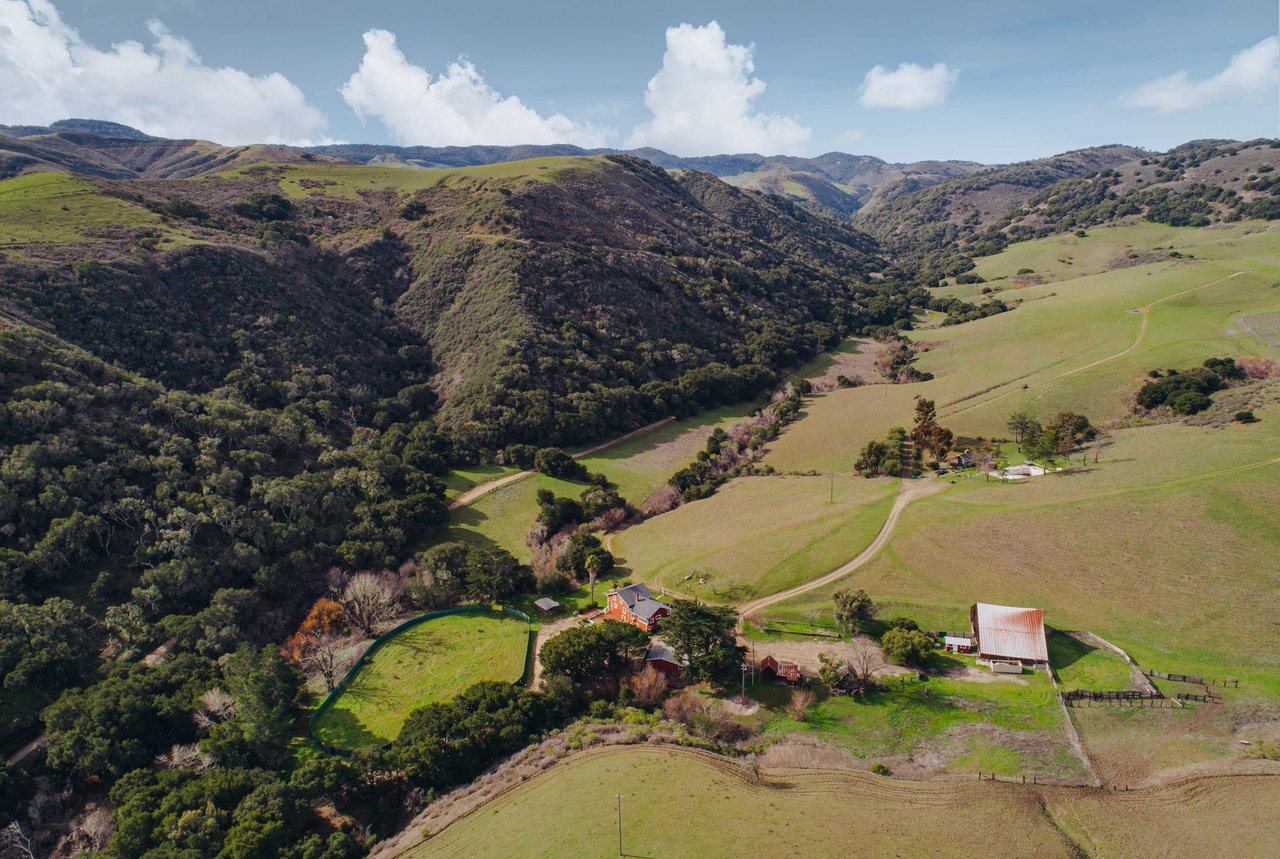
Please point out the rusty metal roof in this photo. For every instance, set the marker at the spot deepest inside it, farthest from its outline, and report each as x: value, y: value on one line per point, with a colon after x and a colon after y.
x: 1014, y: 633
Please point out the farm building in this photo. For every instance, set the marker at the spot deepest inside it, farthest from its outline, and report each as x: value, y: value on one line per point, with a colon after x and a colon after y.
x: 957, y: 644
x: 788, y: 671
x: 662, y: 657
x: 1020, y: 472
x: 635, y: 605
x: 547, y: 605
x: 1005, y: 633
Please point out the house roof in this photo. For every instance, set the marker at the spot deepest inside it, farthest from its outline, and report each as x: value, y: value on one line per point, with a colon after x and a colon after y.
x: 661, y: 650
x: 633, y: 594
x: 1014, y: 633
x: 640, y: 600
x: 648, y: 608
x: 957, y: 640
x: 546, y: 603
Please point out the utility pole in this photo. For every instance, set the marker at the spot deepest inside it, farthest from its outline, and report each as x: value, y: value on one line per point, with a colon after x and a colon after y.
x: 832, y: 484
x: 618, y: 797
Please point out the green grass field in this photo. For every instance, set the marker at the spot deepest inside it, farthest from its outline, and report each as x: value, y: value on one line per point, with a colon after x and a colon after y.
x: 460, y: 480
x: 571, y: 811
x: 58, y: 208
x: 348, y: 180
x: 1049, y: 342
x: 1001, y: 724
x: 757, y: 535
x: 430, y: 662
x: 1080, y: 665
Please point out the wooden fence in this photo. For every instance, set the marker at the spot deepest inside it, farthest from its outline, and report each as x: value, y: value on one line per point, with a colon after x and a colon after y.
x: 1193, y: 679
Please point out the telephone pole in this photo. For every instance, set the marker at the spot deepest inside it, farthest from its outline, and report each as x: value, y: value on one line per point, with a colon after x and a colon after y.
x: 618, y: 797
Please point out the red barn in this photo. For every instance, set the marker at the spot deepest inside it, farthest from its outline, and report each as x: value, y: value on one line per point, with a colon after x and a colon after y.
x: 663, y: 658
x: 788, y: 671
x: 635, y: 605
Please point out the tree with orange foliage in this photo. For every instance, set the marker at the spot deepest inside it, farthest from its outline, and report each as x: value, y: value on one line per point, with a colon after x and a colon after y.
x: 325, y: 618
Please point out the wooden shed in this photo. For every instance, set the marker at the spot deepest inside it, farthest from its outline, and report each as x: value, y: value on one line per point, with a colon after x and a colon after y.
x: 785, y: 671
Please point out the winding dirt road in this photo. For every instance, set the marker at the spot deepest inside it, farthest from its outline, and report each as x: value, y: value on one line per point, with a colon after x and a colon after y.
x: 911, y: 491
x: 1047, y: 384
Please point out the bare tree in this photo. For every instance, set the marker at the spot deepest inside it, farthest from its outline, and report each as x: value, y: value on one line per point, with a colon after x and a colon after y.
x: 1104, y: 439
x: 216, y: 706
x: 185, y: 756
x: 798, y: 706
x: 368, y: 602
x: 14, y: 841
x: 649, y: 686
x: 92, y: 830
x: 330, y: 657
x: 865, y: 658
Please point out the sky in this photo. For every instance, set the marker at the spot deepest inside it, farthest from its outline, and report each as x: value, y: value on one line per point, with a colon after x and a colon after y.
x: 991, y: 81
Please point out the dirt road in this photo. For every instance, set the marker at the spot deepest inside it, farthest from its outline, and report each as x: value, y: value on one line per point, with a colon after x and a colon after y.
x: 484, y: 489
x: 911, y: 491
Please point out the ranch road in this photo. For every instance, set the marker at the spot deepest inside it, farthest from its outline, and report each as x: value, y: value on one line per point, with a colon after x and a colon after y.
x: 1145, y: 312
x: 911, y: 491
x: 484, y: 489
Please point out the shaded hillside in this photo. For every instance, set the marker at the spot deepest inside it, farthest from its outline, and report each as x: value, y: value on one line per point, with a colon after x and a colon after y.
x: 616, y: 293
x: 934, y: 224
x: 562, y: 298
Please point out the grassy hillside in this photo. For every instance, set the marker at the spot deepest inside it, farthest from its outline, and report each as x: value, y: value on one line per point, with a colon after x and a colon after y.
x: 756, y: 536
x: 571, y: 809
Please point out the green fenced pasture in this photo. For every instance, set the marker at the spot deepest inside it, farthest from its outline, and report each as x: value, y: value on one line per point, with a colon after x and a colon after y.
x: 425, y: 660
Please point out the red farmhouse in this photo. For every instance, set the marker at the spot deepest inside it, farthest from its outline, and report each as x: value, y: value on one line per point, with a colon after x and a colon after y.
x: 635, y: 605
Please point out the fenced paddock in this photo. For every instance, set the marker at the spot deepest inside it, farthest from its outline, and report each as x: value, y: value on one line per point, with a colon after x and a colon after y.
x: 424, y: 660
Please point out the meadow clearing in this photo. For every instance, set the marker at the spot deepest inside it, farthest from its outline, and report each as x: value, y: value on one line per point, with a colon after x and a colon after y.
x: 429, y: 662
x: 570, y: 810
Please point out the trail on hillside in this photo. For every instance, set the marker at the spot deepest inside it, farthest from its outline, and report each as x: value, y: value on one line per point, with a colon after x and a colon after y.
x: 477, y: 492
x: 911, y: 491
x: 1145, y: 311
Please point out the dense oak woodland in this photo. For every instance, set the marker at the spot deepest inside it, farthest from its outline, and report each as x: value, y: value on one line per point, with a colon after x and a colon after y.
x: 213, y: 394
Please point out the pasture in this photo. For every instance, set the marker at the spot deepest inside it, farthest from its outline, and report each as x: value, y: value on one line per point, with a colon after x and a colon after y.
x: 432, y: 661
x: 756, y: 536
x: 58, y: 208
x: 570, y: 810
x: 1081, y: 344
x: 963, y: 722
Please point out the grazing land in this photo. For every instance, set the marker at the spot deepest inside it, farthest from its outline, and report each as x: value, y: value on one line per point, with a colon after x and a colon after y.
x: 965, y: 721
x: 1081, y: 665
x: 757, y: 535
x: 570, y: 810
x: 430, y: 662
x: 59, y: 208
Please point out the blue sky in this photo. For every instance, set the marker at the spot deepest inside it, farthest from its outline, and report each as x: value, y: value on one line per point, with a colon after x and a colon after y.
x: 989, y: 81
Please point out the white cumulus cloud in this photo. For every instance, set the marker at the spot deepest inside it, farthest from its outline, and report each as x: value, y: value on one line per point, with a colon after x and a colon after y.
x: 457, y: 108
x: 1253, y: 71
x: 908, y: 87
x: 701, y: 100
x: 48, y: 72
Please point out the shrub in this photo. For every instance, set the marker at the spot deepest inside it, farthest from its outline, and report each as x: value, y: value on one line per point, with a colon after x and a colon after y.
x: 798, y: 706
x: 906, y: 646
x: 1245, y: 417
x: 554, y: 462
x: 970, y: 277
x: 1190, y: 402
x: 880, y: 769
x: 413, y: 210
x: 264, y: 207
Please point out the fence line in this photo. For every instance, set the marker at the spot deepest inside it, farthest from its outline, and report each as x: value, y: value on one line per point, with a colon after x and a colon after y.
x: 377, y: 644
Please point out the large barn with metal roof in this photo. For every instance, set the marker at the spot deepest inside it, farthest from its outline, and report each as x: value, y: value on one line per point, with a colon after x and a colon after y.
x: 1007, y: 633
